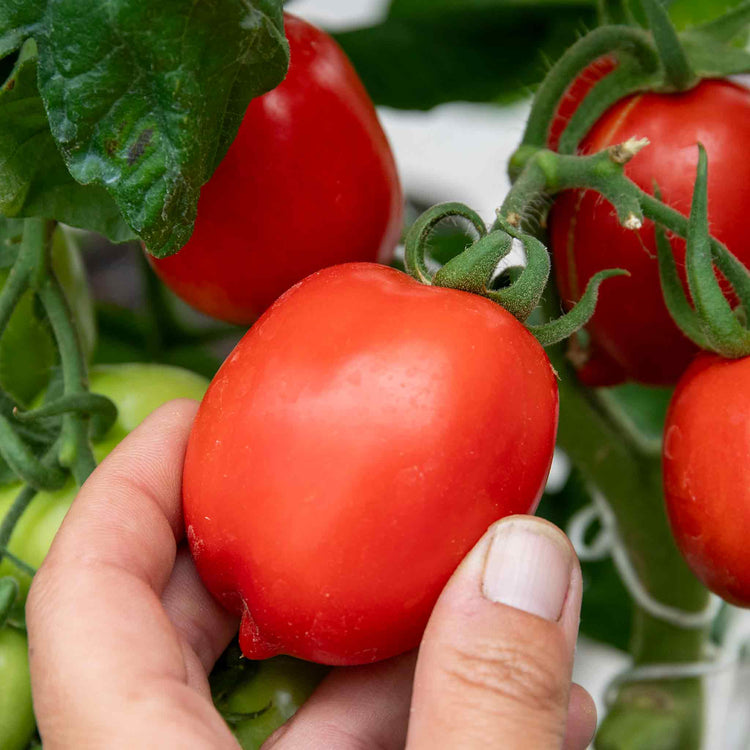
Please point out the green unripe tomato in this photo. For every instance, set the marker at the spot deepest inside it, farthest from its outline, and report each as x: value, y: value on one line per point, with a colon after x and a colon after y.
x: 33, y: 533
x: 270, y: 696
x: 136, y: 389
x: 16, y: 710
x: 27, y: 349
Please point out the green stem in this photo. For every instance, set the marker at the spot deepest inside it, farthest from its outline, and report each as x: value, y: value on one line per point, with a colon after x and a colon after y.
x: 75, y: 448
x: 20, y: 276
x: 16, y: 510
x: 596, y: 44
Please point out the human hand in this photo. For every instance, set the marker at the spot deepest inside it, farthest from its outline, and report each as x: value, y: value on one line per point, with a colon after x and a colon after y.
x: 122, y: 633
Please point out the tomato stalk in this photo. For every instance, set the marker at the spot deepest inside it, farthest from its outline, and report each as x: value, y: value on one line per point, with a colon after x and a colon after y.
x: 645, y: 713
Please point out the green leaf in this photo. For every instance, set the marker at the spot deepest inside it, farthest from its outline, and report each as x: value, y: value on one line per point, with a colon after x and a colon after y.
x: 144, y: 98
x: 426, y: 53
x: 687, y: 13
x: 34, y: 180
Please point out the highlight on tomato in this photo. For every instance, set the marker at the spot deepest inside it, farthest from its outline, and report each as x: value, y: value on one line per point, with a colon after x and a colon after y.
x: 351, y: 450
x: 309, y: 182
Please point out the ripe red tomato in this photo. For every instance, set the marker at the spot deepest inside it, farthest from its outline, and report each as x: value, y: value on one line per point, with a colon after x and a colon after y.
x: 631, y: 323
x: 355, y: 445
x: 707, y: 473
x: 309, y: 182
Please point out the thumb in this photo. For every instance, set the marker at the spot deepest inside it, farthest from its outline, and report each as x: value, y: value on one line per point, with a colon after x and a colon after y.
x: 495, y: 663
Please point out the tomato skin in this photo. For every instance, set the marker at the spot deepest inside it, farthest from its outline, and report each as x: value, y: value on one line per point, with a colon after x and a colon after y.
x: 16, y: 710
x: 309, y: 182
x: 631, y: 323
x: 355, y: 445
x: 707, y: 473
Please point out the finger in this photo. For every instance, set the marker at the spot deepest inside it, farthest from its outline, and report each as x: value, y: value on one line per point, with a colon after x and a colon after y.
x: 205, y: 625
x: 581, y: 726
x: 107, y: 664
x: 354, y: 708
x: 495, y: 663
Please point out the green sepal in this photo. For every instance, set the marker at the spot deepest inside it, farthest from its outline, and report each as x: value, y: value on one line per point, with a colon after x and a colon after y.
x: 471, y: 270
x: 416, y: 244
x: 566, y: 325
x: 672, y: 290
x: 523, y: 294
x: 724, y: 332
x: 678, y: 73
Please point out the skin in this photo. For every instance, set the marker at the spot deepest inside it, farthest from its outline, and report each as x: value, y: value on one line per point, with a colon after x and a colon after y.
x: 435, y: 408
x: 631, y: 325
x: 131, y: 633
x: 309, y: 182
x: 707, y: 473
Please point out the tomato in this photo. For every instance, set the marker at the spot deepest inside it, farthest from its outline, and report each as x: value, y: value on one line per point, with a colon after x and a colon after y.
x: 136, y: 389
x: 355, y: 445
x: 264, y: 695
x: 27, y: 349
x: 16, y: 710
x: 631, y: 324
x: 309, y: 182
x: 707, y: 473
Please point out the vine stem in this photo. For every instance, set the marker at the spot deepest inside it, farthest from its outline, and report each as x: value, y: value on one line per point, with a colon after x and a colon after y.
x: 75, y: 446
x: 28, y: 260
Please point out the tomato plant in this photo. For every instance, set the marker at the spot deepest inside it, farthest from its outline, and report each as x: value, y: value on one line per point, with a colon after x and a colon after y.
x: 707, y: 473
x: 349, y: 452
x: 27, y: 351
x: 136, y: 389
x: 309, y: 182
x: 16, y: 711
x: 631, y: 325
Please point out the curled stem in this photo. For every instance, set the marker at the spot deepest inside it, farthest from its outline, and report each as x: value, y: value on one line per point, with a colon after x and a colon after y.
x: 566, y: 325
x: 418, y: 237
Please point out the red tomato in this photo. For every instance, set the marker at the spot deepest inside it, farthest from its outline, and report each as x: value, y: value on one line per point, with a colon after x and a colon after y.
x: 351, y: 450
x: 631, y: 323
x: 707, y: 473
x: 309, y: 182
